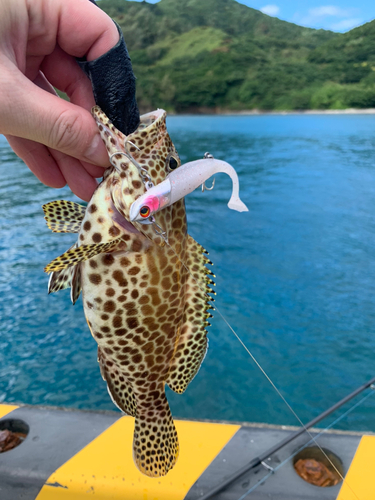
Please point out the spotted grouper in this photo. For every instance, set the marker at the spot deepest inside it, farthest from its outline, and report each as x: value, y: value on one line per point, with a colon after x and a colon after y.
x: 144, y: 287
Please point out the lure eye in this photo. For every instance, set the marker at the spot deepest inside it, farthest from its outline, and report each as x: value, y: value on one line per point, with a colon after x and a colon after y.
x: 144, y: 212
x: 173, y: 163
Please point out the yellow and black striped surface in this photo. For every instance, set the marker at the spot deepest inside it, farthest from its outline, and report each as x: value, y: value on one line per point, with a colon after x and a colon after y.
x: 77, y: 455
x: 103, y: 466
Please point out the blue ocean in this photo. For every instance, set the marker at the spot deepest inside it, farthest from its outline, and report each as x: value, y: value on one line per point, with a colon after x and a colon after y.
x: 295, y: 275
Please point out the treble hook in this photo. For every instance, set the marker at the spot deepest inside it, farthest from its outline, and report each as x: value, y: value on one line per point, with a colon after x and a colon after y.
x: 204, y: 187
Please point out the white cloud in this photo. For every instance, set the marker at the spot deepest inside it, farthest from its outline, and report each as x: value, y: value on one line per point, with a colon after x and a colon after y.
x: 329, y: 10
x: 346, y: 24
x: 330, y: 17
x: 270, y: 10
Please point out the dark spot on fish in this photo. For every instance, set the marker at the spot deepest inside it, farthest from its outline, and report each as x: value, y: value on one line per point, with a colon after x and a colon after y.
x: 110, y: 292
x: 137, y: 358
x: 114, y: 231
x: 108, y: 259
x: 87, y: 225
x: 93, y: 208
x: 132, y: 322
x: 95, y: 279
x: 120, y: 278
x: 109, y: 306
x: 136, y: 184
x: 117, y: 321
x: 133, y: 271
x: 137, y: 245
x: 120, y: 332
x: 97, y: 237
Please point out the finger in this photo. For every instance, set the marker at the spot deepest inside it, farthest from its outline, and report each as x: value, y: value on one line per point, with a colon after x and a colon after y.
x: 32, y: 113
x: 39, y: 160
x: 80, y: 28
x: 91, y: 27
x: 93, y: 170
x: 78, y: 179
x: 63, y: 72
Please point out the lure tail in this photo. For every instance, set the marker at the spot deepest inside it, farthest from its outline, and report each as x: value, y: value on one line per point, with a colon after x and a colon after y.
x: 155, y: 444
x: 236, y: 204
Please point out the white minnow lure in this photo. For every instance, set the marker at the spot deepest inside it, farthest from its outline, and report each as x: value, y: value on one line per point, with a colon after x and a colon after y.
x: 180, y: 183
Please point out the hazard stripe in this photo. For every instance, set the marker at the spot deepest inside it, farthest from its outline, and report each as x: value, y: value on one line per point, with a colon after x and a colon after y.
x: 5, y: 409
x: 54, y: 436
x: 359, y: 481
x: 105, y: 467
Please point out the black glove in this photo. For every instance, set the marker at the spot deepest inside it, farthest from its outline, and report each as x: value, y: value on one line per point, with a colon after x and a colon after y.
x: 113, y: 84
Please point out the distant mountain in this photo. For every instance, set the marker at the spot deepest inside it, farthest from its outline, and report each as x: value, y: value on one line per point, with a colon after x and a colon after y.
x: 202, y: 55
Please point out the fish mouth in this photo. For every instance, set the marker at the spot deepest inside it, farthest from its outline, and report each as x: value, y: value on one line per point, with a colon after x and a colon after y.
x: 150, y: 119
x: 121, y: 221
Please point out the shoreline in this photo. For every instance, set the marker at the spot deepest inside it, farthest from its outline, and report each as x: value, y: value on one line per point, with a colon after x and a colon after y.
x: 257, y: 112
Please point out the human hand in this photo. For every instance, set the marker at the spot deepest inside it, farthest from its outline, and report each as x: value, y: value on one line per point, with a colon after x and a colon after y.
x: 39, y: 41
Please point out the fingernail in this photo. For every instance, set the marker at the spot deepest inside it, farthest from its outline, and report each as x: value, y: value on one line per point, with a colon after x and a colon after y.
x: 96, y: 153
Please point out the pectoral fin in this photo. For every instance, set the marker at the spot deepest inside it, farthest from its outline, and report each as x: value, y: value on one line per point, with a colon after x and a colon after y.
x: 64, y: 216
x: 80, y: 254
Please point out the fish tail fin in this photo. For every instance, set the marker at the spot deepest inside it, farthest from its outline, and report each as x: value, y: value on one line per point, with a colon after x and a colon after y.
x: 155, y: 444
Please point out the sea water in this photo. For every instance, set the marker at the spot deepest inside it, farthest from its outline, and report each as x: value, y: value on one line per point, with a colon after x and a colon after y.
x: 295, y: 275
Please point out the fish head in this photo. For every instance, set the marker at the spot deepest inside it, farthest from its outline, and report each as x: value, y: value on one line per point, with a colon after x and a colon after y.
x: 140, y: 160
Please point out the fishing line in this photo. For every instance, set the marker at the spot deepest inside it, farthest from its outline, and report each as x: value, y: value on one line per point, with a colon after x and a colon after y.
x: 259, y: 366
x: 261, y: 481
x: 159, y: 231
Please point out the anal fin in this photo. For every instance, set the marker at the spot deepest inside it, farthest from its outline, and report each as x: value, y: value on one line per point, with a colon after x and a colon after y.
x: 64, y: 216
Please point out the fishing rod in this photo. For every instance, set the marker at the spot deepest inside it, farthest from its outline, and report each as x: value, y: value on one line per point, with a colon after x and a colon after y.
x: 255, y: 462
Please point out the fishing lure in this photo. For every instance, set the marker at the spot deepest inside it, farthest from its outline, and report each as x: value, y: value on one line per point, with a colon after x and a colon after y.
x: 180, y: 183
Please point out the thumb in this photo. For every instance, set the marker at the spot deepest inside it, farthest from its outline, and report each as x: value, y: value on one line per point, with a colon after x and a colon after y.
x: 35, y: 114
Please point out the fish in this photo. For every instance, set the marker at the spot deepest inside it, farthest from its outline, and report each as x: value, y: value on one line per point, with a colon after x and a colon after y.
x: 146, y: 288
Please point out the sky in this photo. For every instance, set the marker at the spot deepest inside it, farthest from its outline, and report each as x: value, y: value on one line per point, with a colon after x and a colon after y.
x: 340, y: 16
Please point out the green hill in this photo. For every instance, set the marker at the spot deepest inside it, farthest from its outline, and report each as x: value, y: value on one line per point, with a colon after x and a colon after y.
x: 191, y: 55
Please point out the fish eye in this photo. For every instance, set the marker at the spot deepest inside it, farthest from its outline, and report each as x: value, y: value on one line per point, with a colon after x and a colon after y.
x: 144, y: 212
x: 173, y: 163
